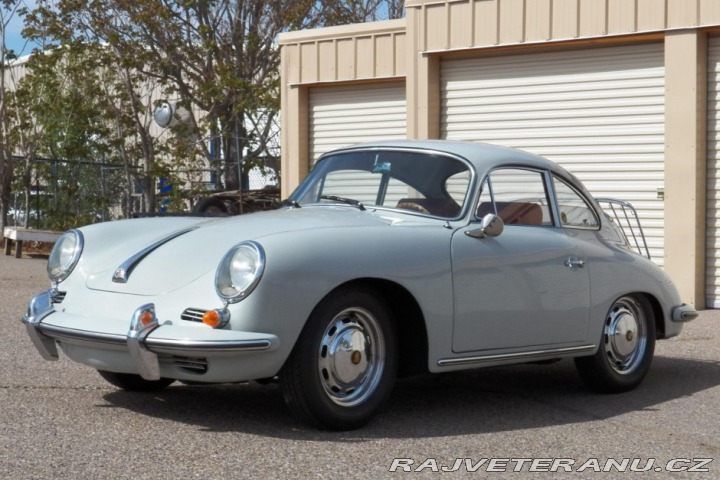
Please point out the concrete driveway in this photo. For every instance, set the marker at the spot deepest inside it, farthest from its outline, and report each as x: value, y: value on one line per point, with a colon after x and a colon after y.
x: 61, y: 420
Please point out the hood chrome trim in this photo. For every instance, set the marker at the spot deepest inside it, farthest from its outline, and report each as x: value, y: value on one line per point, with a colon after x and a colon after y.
x: 122, y: 272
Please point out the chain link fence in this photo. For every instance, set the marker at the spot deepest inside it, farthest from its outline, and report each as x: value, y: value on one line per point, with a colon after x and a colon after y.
x: 58, y: 195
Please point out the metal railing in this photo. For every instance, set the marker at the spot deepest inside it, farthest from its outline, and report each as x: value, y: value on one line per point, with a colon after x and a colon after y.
x: 625, y: 216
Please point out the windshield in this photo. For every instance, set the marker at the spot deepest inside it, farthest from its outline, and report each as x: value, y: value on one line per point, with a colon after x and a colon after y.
x: 419, y: 182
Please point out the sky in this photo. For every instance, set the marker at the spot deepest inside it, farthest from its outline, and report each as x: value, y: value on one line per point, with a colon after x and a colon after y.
x: 13, y: 38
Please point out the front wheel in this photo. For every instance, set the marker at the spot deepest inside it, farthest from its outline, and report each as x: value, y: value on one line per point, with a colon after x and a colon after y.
x: 135, y: 383
x: 343, y: 366
x: 626, y: 347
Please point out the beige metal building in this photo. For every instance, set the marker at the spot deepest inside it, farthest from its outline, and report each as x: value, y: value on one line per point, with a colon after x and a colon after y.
x: 623, y: 93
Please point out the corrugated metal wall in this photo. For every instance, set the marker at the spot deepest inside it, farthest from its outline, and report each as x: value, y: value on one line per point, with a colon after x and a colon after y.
x: 598, y: 112
x: 346, y: 115
x: 459, y: 24
x: 712, y: 270
x: 344, y: 53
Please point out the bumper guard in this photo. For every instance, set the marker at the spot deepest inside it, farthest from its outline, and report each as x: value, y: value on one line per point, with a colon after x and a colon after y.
x: 40, y: 307
x: 684, y: 313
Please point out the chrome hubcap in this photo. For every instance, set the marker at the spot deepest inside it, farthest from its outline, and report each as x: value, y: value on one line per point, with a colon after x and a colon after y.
x: 625, y: 336
x: 351, y: 357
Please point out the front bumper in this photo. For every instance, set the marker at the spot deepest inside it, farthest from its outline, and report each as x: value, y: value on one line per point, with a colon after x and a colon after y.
x: 135, y: 346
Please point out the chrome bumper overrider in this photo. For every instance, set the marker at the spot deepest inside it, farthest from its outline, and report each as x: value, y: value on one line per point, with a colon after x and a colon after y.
x: 684, y: 313
x: 142, y: 348
x: 40, y: 307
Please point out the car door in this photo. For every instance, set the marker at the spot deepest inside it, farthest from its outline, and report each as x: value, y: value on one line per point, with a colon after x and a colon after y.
x: 526, y: 288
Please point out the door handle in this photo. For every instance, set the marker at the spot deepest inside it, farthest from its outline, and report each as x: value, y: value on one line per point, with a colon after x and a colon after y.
x: 573, y: 262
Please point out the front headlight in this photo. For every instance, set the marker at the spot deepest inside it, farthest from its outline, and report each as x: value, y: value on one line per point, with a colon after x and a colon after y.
x: 239, y: 271
x: 65, y: 255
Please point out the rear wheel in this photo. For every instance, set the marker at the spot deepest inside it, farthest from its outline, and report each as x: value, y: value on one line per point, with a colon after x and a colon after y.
x: 343, y: 366
x: 626, y: 347
x: 135, y: 383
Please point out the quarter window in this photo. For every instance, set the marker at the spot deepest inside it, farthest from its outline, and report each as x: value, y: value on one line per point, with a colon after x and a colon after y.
x: 573, y: 209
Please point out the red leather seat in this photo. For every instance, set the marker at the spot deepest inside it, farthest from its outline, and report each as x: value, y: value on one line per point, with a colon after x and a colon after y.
x: 514, y: 213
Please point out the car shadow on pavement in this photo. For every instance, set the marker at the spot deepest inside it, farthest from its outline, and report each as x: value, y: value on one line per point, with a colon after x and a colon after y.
x: 482, y: 401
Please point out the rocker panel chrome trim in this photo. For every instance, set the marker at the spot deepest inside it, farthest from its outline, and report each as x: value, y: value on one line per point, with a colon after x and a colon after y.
x: 448, y: 362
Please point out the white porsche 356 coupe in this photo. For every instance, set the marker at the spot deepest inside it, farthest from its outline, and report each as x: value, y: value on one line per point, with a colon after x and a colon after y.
x: 389, y: 259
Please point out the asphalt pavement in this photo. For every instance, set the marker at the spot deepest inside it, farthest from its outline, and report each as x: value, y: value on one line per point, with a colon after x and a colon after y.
x: 62, y: 420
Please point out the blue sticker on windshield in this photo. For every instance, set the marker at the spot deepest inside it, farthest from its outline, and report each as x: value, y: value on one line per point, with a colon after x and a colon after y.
x: 383, y: 167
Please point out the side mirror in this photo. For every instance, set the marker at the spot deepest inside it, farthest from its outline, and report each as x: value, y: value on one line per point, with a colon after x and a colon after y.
x: 490, y: 226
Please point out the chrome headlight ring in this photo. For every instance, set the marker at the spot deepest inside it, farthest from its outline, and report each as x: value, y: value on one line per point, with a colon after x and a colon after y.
x: 239, y: 271
x: 65, y: 255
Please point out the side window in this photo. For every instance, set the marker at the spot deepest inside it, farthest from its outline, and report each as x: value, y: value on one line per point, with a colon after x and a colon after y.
x: 517, y: 196
x: 574, y: 210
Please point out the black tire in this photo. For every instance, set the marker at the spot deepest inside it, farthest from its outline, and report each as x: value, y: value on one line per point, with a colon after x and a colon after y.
x: 626, y: 347
x: 135, y: 383
x: 334, y: 388
x: 210, y: 205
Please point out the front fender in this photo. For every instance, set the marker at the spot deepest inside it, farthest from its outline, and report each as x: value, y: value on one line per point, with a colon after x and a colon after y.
x: 299, y: 274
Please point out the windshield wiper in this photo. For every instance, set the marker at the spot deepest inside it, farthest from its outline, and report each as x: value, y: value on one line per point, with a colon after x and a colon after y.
x: 349, y: 201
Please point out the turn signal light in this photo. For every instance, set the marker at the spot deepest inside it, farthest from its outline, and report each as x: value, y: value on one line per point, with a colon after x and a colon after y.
x: 211, y: 318
x: 146, y: 318
x: 216, y: 318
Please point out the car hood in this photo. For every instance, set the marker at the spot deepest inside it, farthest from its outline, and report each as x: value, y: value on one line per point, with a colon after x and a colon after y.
x: 181, y: 249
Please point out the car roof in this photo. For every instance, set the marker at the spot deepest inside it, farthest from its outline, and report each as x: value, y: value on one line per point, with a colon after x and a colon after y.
x: 483, y: 156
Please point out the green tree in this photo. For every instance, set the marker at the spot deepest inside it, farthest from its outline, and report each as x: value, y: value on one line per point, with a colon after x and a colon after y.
x: 56, y: 121
x: 8, y: 10
x: 125, y: 94
x: 218, y: 58
x: 344, y: 12
x: 30, y: 94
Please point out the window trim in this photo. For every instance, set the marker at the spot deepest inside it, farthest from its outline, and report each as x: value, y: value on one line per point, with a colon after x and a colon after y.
x: 547, y: 185
x: 582, y: 196
x: 472, y: 187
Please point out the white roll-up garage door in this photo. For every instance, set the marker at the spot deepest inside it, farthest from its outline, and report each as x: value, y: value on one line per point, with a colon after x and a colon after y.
x: 346, y: 115
x: 598, y: 112
x: 712, y: 262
